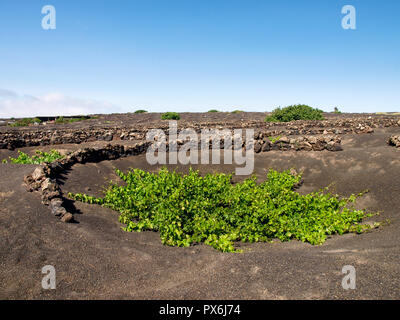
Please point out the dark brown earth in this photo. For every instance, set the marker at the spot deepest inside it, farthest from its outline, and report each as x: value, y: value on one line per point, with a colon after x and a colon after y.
x: 94, y: 258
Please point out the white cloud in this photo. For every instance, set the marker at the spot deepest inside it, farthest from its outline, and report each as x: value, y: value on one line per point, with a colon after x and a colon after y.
x: 7, y: 94
x: 51, y: 104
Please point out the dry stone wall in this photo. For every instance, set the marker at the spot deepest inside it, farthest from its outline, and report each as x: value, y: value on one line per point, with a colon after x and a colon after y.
x: 12, y: 138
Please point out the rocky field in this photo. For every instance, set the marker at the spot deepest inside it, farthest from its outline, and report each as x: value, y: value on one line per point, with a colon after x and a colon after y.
x: 94, y: 258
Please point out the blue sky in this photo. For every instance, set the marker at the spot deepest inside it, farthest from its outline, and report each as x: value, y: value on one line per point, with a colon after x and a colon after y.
x: 196, y: 55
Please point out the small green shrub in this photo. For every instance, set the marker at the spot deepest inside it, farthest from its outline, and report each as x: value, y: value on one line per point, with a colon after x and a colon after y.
x: 274, y: 139
x: 25, y: 122
x: 237, y: 111
x: 170, y: 116
x: 336, y: 110
x: 188, y: 209
x: 39, y: 157
x: 213, y: 110
x: 295, y: 112
x: 140, y: 111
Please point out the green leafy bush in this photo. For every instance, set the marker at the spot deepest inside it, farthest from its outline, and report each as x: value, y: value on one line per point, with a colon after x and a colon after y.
x: 189, y: 209
x: 237, y: 111
x: 25, y: 122
x: 295, y: 112
x: 39, y: 157
x: 170, y: 116
x: 140, y: 111
x: 213, y: 110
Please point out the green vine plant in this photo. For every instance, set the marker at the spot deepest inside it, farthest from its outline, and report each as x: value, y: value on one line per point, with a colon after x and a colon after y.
x: 274, y: 139
x: 39, y: 157
x: 189, y: 209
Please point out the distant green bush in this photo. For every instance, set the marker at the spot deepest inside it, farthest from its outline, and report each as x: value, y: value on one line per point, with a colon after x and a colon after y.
x: 236, y: 111
x: 295, y: 112
x: 140, y: 111
x: 213, y: 110
x: 39, y: 157
x: 25, y: 122
x: 170, y: 116
x: 61, y: 120
x: 336, y: 110
x: 188, y: 209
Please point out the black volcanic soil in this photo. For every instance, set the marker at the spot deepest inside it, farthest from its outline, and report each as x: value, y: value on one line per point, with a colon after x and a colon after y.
x: 94, y: 258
